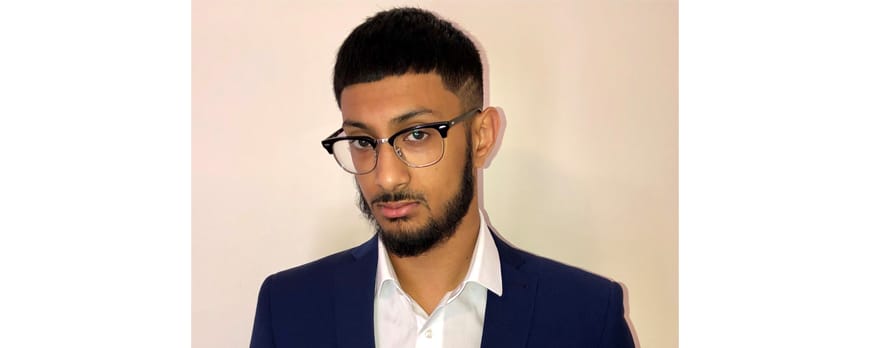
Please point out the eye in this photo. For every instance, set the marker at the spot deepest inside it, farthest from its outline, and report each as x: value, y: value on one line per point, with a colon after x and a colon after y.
x: 417, y: 135
x: 361, y: 144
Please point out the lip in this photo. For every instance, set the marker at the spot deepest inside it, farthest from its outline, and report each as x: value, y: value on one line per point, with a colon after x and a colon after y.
x: 394, y: 210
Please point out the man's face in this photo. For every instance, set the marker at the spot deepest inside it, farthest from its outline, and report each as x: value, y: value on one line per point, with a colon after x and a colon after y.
x: 413, y: 209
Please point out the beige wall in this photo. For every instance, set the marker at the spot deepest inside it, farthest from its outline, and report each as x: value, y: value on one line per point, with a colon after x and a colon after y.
x: 586, y: 173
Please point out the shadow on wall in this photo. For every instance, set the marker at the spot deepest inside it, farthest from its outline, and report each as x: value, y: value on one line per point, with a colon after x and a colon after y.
x: 627, y: 306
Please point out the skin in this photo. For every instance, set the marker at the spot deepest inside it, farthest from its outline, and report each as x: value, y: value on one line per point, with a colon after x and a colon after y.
x: 375, y: 109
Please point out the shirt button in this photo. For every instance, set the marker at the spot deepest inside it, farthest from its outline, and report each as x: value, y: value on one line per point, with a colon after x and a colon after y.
x: 428, y: 333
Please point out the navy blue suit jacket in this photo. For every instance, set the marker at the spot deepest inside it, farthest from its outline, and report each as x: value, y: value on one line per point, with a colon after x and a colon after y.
x: 330, y: 303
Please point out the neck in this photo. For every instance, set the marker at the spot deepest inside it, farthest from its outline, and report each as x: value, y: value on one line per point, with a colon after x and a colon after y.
x: 427, y: 277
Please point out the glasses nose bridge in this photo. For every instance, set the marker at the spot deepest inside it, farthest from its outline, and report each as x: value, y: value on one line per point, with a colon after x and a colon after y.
x: 394, y: 150
x: 391, y: 170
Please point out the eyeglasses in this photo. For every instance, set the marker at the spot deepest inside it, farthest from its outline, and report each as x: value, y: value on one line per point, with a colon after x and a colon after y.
x: 418, y: 146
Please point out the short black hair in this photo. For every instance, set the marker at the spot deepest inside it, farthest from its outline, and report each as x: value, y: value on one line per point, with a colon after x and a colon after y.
x: 410, y: 40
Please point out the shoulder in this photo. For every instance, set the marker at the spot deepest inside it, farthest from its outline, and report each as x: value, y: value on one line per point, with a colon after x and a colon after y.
x: 549, y: 270
x: 303, y: 291
x: 546, y: 269
x: 291, y: 304
x: 570, y: 304
x: 557, y: 280
x: 310, y: 273
x: 318, y: 273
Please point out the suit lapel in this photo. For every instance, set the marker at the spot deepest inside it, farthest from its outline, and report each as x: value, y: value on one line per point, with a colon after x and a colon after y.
x: 354, y: 297
x: 508, y: 317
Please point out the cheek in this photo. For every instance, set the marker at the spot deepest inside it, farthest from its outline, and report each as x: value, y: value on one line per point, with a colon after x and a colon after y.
x: 442, y: 181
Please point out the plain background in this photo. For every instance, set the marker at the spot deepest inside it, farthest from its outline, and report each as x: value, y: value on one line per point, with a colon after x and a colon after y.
x: 586, y: 173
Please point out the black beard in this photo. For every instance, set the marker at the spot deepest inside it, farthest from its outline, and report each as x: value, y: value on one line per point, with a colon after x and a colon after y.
x: 407, y: 243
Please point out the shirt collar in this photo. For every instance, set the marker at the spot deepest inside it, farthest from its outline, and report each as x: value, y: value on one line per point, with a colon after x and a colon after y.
x: 485, y: 266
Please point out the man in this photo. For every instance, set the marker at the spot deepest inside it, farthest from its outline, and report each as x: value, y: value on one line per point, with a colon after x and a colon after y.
x: 414, y: 133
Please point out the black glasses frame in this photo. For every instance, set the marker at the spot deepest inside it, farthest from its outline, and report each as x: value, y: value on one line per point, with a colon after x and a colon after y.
x: 442, y: 128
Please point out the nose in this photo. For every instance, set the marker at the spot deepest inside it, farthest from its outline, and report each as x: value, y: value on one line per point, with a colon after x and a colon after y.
x: 390, y: 173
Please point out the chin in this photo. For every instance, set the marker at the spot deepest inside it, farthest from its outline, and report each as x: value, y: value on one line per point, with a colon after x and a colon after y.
x: 400, y: 225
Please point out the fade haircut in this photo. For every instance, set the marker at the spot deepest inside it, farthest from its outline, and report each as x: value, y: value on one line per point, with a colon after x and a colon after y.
x: 410, y: 40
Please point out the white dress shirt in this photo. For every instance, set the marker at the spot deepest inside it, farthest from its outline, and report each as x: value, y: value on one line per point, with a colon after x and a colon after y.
x: 457, y: 321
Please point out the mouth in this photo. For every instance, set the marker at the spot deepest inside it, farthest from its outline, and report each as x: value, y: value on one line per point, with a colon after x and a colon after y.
x: 396, y: 210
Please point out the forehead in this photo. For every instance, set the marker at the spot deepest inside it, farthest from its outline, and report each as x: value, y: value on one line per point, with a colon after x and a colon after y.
x: 376, y: 103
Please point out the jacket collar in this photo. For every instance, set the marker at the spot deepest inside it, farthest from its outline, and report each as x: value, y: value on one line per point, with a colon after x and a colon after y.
x: 354, y: 296
x: 509, y: 316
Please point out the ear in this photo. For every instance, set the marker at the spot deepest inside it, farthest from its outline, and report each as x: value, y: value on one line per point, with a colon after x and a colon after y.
x: 484, y: 135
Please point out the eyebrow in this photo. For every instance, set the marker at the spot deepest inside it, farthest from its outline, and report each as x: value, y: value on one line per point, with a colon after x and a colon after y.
x: 394, y: 121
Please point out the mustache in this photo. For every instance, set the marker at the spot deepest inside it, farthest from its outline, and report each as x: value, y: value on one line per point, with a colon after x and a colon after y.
x: 387, y: 197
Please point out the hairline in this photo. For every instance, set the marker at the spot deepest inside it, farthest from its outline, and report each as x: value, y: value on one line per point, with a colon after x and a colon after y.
x: 465, y: 92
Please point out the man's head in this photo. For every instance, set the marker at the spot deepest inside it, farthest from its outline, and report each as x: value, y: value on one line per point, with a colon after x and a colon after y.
x: 406, y: 68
